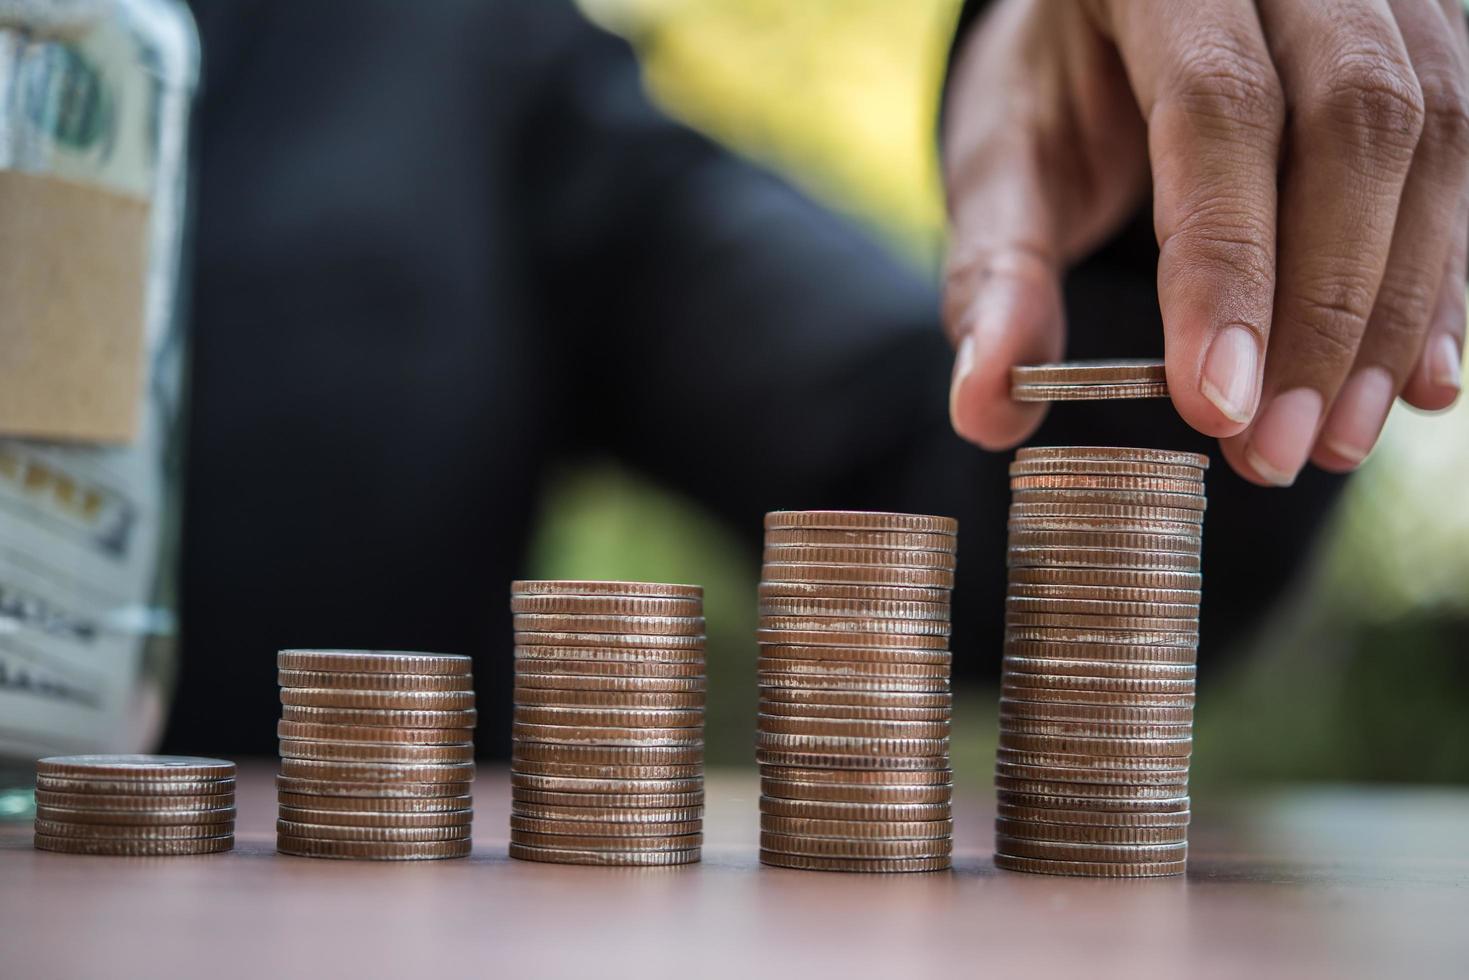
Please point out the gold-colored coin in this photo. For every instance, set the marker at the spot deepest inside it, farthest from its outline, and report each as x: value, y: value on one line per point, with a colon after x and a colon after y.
x: 860, y: 520
x: 868, y: 699
x: 602, y: 813
x: 136, y: 787
x: 135, y: 848
x: 832, y: 847
x: 1085, y: 393
x: 385, y: 805
x: 616, y: 785
x: 617, y: 843
x: 635, y: 777
x: 629, y: 625
x: 1128, y: 768
x: 1157, y: 869
x: 849, y: 811
x: 291, y: 748
x: 867, y: 728
x: 373, y: 661
x: 857, y: 538
x: 343, y: 680
x: 853, y: 593
x: 327, y: 697
x: 610, y: 641
x: 336, y: 831
x: 382, y: 717
x: 641, y: 859
x: 1099, y: 481
x: 1178, y: 747
x: 885, y: 557
x: 631, y: 801
x: 378, y: 772
x: 145, y: 767
x: 527, y: 829
x: 335, y: 787
x: 1101, y: 668
x: 1183, y: 612
x: 1109, y: 497
x: 372, y: 850
x: 377, y: 818
x: 573, y: 587
x: 95, y: 831
x: 806, y: 862
x: 606, y: 735
x: 835, y: 624
x: 851, y: 668
x: 1123, y: 512
x: 136, y: 818
x: 132, y: 801
x: 853, y: 763
x: 858, y: 794
x: 1177, y: 819
x: 1084, y: 834
x: 551, y: 697
x: 610, y: 755
x: 921, y: 776
x: 782, y: 709
x: 860, y: 609
x: 375, y: 734
x: 848, y: 830
x: 1105, y: 467
x: 1113, y: 804
x: 852, y: 745
x: 888, y: 575
x: 1076, y: 851
x: 611, y: 717
x: 884, y: 655
x: 605, y: 605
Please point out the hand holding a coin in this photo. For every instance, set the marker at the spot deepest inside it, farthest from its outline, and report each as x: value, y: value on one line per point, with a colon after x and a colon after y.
x: 1309, y: 171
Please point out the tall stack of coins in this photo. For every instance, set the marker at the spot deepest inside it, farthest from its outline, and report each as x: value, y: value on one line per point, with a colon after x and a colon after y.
x: 853, y: 741
x: 377, y: 754
x: 1102, y: 626
x: 135, y: 805
x: 607, y: 763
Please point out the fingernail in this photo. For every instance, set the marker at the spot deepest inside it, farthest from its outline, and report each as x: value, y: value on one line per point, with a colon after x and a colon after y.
x: 1357, y: 417
x: 1230, y: 369
x: 1284, y: 434
x: 1444, y: 363
x: 963, y: 366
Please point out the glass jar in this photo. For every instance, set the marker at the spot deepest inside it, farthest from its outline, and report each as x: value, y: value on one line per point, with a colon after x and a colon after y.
x: 95, y: 97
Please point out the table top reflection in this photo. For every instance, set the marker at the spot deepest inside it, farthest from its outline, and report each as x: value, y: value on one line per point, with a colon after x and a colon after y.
x: 1305, y: 882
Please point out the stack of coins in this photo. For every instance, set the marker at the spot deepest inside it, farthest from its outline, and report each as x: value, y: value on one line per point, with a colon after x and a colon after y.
x: 853, y: 740
x: 607, y: 763
x: 1102, y: 626
x: 1088, y: 381
x: 135, y: 805
x: 377, y: 754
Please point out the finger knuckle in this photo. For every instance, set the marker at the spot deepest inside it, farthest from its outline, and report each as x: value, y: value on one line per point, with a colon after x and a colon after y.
x: 1334, y: 313
x: 1222, y: 83
x: 1236, y: 241
x: 1445, y: 114
x: 1402, y: 312
x: 1372, y: 103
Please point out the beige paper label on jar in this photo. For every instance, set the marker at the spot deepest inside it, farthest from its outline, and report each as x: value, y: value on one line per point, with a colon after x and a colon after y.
x: 73, y: 267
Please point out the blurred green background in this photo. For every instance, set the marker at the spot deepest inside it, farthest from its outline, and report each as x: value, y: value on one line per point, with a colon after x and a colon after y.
x: 1359, y: 674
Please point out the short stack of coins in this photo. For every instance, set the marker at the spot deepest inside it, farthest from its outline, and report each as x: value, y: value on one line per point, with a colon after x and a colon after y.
x: 607, y: 763
x: 377, y: 755
x: 135, y: 805
x: 855, y: 706
x: 1097, y: 691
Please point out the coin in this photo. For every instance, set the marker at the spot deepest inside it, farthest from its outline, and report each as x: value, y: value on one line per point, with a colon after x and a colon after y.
x: 1109, y: 467
x: 857, y: 538
x: 378, y: 772
x: 1101, y: 668
x: 1093, y: 818
x: 561, y: 855
x: 1078, y: 851
x: 1186, y: 613
x: 135, y: 848
x: 1091, y: 869
x: 372, y: 850
x: 770, y: 680
x: 1106, y: 540
x: 617, y: 843
x: 386, y: 805
x: 1083, y: 621
x: 848, y: 712
x: 848, y: 830
x: 835, y: 624
x: 344, y: 680
x: 624, y: 659
x: 136, y: 787
x: 1025, y: 726
x: 523, y: 825
x: 291, y: 748
x: 631, y: 801
x: 136, y: 818
x: 614, y: 717
x: 639, y: 625
x: 860, y: 520
x: 1076, y: 794
x: 853, y: 593
x: 855, y: 609
x: 1165, y: 456
x: 383, y: 717
x: 885, y: 557
x: 857, y: 794
x: 829, y: 760
x: 614, y: 755
x: 373, y: 661
x: 1073, y: 634
x: 923, y: 776
x: 1138, y: 803
x: 640, y: 774
x: 1098, y: 685
x: 830, y: 847
x: 1096, y: 713
x: 850, y: 668
x: 1136, y: 699
x: 1066, y: 650
x: 605, y: 605
x: 871, y: 699
x: 887, y: 575
x: 806, y: 862
x: 619, y: 785
x: 605, y: 735
x: 325, y: 697
x: 1146, y: 499
x: 371, y: 818
x: 122, y: 802
x: 1178, y: 533
x: 887, y: 655
x: 777, y: 724
x: 94, y: 831
x: 860, y: 810
x: 550, y: 697
x: 135, y: 767
x: 338, y: 787
x: 1106, y: 372
x: 1185, y: 517
x: 1163, y: 598
x: 1081, y: 833
x: 1101, y: 558
x: 1069, y: 393
x: 694, y: 642
x: 344, y: 832
x: 1097, y: 768
x: 1132, y: 748
x: 370, y: 733
x: 527, y: 587
x: 591, y: 689
x: 852, y: 745
x: 1103, y: 481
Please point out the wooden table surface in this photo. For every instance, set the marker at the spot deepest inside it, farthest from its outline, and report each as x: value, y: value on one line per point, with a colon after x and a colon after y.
x: 1319, y: 882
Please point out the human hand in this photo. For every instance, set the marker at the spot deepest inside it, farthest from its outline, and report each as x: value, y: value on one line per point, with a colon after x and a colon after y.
x: 1309, y: 166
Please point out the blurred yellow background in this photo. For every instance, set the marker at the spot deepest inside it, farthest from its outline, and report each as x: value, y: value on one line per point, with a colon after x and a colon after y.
x: 1361, y: 674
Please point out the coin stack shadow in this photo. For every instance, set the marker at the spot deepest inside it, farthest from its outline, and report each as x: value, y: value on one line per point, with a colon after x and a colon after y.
x: 135, y: 805
x: 1097, y: 690
x: 607, y: 764
x: 855, y: 706
x: 377, y: 755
